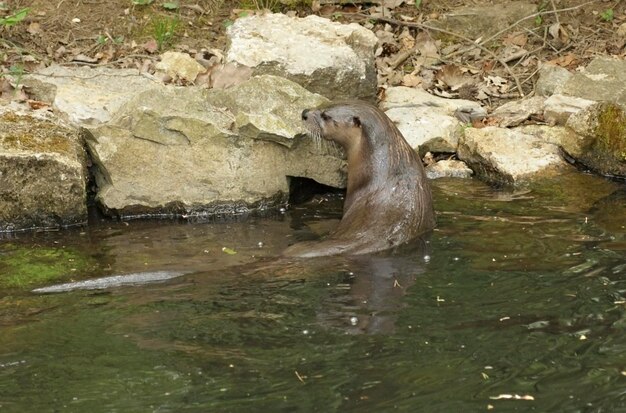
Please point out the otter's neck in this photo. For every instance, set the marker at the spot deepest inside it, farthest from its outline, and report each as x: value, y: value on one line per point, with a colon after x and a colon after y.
x: 368, y: 170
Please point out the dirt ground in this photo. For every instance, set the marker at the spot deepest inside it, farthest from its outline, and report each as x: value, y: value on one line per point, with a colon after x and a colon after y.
x: 125, y: 33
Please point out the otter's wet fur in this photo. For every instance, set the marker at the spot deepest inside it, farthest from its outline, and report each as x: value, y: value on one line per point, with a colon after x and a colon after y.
x: 388, y: 199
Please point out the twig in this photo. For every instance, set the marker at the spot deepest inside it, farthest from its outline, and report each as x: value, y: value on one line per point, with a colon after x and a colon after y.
x: 532, y: 16
x: 556, y: 15
x: 460, y: 36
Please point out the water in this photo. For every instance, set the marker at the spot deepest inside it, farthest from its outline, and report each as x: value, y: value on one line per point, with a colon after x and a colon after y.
x: 516, y: 294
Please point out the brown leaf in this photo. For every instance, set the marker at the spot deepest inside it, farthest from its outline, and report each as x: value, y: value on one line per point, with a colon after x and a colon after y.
x: 564, y: 61
x: 427, y: 48
x: 517, y: 39
x: 230, y: 74
x: 37, y: 104
x: 558, y: 33
x: 34, y: 28
x: 151, y: 46
x: 410, y: 80
x: 451, y: 75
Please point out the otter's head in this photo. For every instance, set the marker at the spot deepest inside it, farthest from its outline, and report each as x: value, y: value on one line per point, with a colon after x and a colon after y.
x: 338, y: 122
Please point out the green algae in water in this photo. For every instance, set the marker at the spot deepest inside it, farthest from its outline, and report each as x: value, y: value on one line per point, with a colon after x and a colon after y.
x: 23, y: 267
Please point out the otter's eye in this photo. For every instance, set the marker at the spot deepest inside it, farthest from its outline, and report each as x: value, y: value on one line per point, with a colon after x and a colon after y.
x: 324, y: 116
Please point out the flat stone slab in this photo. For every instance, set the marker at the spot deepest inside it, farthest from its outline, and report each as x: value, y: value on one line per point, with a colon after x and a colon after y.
x: 84, y: 95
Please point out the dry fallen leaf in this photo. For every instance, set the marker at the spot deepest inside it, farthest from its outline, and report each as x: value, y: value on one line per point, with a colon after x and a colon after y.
x: 410, y: 80
x: 230, y: 74
x: 517, y: 39
x: 564, y: 61
x: 452, y: 76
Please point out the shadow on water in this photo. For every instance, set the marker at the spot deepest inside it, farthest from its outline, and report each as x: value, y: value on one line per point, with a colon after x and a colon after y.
x: 515, y: 294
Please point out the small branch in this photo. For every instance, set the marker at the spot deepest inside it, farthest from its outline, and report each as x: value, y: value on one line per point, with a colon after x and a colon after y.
x: 460, y: 36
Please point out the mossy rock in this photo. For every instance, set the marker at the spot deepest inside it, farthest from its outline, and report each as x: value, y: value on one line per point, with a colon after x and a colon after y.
x: 23, y: 267
x: 601, y: 142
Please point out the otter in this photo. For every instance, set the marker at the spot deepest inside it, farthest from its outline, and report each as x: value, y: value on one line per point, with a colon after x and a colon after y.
x: 388, y: 199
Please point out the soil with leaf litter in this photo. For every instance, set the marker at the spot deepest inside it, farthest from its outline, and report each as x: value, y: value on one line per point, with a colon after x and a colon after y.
x: 414, y: 51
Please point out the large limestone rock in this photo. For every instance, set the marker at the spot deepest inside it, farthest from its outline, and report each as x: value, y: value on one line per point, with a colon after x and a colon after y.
x: 42, y: 174
x: 600, y: 139
x: 508, y: 156
x: 333, y: 59
x: 192, y: 151
x: 426, y: 121
x: 84, y: 95
x: 603, y: 80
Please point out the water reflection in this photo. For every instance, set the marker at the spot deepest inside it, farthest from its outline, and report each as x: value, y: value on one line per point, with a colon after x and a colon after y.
x: 517, y: 292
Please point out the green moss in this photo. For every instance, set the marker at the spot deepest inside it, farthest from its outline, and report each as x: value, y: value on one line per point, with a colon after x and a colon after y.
x: 611, y: 131
x: 22, y: 267
x: 30, y: 134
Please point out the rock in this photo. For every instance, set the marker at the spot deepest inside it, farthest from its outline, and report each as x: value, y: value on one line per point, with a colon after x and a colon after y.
x: 333, y: 59
x: 448, y: 168
x: 42, y: 174
x: 548, y: 134
x: 180, y: 66
x: 86, y: 96
x: 515, y: 112
x: 558, y: 108
x: 484, y: 21
x: 551, y: 80
x: 600, y: 143
x: 603, y: 80
x: 508, y: 156
x: 425, y: 120
x: 192, y: 151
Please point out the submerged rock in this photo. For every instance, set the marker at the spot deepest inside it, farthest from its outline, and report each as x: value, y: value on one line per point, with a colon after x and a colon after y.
x: 333, y: 59
x: 111, y: 282
x: 42, y: 174
x: 448, y: 168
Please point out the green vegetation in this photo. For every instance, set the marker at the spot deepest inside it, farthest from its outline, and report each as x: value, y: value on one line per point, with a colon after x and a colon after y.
x: 17, y: 73
x: 607, y: 15
x: 15, y: 18
x: 23, y: 267
x: 171, y: 5
x: 141, y: 2
x: 164, y: 29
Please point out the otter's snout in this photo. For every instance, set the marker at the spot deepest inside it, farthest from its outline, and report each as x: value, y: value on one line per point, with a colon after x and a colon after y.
x: 305, y: 113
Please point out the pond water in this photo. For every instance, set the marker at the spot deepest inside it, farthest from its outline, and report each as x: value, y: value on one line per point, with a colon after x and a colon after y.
x: 516, y: 302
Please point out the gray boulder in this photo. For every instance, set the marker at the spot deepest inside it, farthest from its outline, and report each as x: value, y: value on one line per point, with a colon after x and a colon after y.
x: 333, y: 59
x: 508, y: 156
x: 191, y: 151
x: 86, y: 96
x: 426, y: 121
x: 42, y: 174
x: 603, y: 80
x: 551, y: 80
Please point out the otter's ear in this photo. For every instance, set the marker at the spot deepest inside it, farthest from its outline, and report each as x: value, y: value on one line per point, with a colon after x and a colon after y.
x: 356, y: 121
